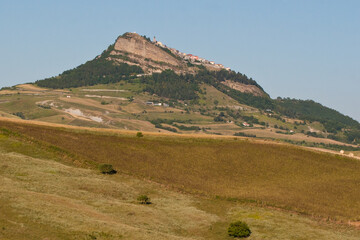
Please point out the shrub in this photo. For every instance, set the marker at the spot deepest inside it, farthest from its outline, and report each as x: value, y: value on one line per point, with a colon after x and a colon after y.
x: 239, y: 229
x: 143, y: 199
x: 107, y: 169
x: 20, y: 115
x: 139, y: 134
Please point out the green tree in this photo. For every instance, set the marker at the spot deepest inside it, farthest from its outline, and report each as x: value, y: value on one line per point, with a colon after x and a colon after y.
x: 239, y: 229
x: 143, y: 199
x: 107, y: 169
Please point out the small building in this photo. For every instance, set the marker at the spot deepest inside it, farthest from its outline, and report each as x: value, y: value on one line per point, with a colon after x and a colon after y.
x: 245, y: 124
x: 157, y: 104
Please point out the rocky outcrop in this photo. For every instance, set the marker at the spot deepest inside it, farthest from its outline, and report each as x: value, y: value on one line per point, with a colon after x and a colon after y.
x: 134, y: 44
x: 244, y: 88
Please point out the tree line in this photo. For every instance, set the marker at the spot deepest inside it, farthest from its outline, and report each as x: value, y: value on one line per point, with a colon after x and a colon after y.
x: 97, y: 71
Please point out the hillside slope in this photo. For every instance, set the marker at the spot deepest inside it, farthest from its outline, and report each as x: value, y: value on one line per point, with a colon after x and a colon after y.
x: 273, y: 174
x: 47, y: 195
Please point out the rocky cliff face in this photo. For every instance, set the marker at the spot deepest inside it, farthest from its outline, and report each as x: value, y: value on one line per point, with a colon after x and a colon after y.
x: 134, y: 49
x: 245, y: 88
x: 135, y: 44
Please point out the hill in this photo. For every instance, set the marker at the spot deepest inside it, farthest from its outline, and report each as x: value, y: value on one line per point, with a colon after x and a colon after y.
x: 141, y: 84
x: 133, y: 55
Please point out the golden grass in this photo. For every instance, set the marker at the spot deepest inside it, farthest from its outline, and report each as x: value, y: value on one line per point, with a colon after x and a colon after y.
x: 73, y: 203
x: 317, y: 184
x: 44, y: 199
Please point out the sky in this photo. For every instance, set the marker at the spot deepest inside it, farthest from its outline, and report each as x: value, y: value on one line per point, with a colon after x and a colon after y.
x: 303, y: 49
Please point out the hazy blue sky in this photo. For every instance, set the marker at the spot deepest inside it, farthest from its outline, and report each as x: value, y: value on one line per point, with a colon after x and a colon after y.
x: 298, y: 49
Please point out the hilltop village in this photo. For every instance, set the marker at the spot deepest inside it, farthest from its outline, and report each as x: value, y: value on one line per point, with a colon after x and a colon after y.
x: 190, y: 57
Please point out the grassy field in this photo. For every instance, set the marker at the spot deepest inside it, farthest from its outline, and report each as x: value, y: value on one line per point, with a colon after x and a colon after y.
x: 317, y: 184
x: 46, y: 195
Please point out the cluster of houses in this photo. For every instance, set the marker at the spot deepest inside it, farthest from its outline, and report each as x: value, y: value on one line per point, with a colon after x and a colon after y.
x: 189, y: 57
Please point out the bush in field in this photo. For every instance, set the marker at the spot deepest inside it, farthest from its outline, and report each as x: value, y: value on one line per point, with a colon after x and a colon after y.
x: 107, y: 169
x: 239, y: 230
x: 139, y: 134
x: 143, y: 199
x: 20, y: 115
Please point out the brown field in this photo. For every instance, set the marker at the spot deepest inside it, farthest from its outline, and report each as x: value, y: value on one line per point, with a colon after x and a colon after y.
x: 316, y: 184
x: 41, y: 198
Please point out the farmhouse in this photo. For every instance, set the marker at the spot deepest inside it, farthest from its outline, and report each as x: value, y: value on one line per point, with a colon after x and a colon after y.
x: 245, y: 124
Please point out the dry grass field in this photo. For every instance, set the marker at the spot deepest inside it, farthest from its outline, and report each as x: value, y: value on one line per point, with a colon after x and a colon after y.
x: 44, y: 195
x: 317, y: 184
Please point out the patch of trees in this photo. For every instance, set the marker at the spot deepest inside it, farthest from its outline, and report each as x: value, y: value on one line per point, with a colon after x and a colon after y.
x: 8, y: 88
x: 353, y: 136
x: 250, y: 119
x: 169, y: 84
x: 97, y: 71
x: 286, y: 133
x: 241, y: 134
x: 220, y: 117
x: 332, y: 120
x: 158, y: 124
x: 186, y: 128
x: 20, y: 115
x: 314, y: 134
